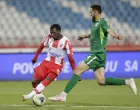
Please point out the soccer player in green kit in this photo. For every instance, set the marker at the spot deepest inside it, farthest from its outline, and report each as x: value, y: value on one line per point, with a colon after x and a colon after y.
x: 97, y: 57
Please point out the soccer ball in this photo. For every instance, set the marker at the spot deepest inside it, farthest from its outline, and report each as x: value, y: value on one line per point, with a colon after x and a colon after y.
x: 39, y: 99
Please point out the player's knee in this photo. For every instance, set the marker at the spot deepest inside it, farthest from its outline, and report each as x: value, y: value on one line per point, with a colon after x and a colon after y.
x: 101, y: 82
x: 49, y: 79
x: 35, y: 82
x: 78, y: 70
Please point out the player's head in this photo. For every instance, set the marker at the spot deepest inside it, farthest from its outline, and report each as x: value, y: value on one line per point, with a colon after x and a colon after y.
x: 55, y: 31
x: 95, y: 10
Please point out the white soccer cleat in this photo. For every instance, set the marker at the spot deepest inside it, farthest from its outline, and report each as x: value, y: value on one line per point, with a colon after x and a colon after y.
x: 132, y: 85
x: 25, y: 97
x: 59, y: 97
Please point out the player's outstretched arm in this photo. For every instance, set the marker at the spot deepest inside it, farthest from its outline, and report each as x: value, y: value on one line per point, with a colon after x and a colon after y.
x: 70, y: 56
x: 40, y: 48
x: 114, y: 34
x: 83, y: 37
x: 71, y: 61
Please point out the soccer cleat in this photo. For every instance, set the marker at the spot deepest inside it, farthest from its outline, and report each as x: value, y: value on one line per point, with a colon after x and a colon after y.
x: 58, y: 97
x: 132, y: 85
x: 25, y: 97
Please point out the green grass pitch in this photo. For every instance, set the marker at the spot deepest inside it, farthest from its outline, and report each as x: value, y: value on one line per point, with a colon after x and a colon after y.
x: 87, y: 95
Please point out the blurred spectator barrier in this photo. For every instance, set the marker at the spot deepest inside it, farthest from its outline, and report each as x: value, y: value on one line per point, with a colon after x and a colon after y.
x: 18, y: 66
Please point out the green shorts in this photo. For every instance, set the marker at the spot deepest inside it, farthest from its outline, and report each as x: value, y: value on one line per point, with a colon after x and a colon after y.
x: 96, y: 60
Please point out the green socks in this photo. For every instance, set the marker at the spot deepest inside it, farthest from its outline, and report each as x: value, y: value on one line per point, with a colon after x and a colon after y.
x: 72, y: 83
x: 108, y: 81
x: 114, y: 81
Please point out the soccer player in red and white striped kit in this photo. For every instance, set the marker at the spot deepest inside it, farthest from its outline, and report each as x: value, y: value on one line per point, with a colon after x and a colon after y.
x: 50, y: 68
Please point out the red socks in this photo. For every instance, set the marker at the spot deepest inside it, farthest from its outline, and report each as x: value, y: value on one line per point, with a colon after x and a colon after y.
x: 50, y: 77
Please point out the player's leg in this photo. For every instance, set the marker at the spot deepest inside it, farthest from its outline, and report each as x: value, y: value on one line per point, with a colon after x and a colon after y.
x: 99, y: 74
x: 82, y: 67
x: 41, y: 86
x: 36, y: 80
x: 47, y: 72
x: 98, y: 66
x: 49, y: 78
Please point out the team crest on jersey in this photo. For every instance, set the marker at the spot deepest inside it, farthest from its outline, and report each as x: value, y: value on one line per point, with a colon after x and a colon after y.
x: 96, y: 24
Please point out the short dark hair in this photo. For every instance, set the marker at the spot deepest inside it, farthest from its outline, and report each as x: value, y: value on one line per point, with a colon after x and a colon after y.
x: 96, y: 7
x: 57, y: 26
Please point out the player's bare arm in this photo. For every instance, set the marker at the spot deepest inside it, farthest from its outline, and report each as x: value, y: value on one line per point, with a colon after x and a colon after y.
x: 83, y: 37
x: 114, y: 34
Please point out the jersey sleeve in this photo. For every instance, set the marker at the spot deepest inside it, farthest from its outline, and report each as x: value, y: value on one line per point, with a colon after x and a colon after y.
x: 70, y: 55
x: 68, y: 48
x: 40, y: 48
x: 45, y: 41
x: 105, y: 25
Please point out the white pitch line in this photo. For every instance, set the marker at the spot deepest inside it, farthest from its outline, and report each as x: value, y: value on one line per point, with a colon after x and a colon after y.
x: 107, y: 107
x: 24, y: 105
x: 73, y: 106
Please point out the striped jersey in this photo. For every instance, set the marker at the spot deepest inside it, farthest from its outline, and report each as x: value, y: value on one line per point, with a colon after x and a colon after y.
x: 57, y: 49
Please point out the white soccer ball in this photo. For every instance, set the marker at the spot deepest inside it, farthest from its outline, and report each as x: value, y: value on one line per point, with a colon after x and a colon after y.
x: 39, y: 99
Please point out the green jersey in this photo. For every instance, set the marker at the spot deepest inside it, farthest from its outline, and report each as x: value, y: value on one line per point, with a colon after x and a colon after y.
x: 98, y: 37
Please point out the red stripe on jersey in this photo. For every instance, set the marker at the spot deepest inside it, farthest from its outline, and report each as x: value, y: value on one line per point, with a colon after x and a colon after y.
x: 46, y: 40
x: 65, y: 44
x: 55, y: 43
x: 70, y: 47
x: 48, y: 37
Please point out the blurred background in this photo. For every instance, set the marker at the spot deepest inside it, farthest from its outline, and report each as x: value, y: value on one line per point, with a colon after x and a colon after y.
x: 25, y: 23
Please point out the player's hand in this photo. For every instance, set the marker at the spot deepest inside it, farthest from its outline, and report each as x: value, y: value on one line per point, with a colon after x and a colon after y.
x: 33, y: 61
x: 120, y: 37
x: 80, y: 38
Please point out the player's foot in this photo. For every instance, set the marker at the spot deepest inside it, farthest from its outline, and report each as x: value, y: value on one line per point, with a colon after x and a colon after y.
x: 60, y: 97
x: 132, y: 85
x: 25, y: 97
